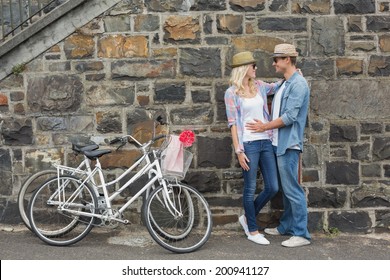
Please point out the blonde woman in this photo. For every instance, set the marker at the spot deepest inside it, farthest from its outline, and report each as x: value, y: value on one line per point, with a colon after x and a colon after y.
x: 246, y: 102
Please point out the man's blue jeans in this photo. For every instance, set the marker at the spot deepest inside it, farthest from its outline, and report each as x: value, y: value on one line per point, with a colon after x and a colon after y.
x: 294, y: 218
x: 260, y: 154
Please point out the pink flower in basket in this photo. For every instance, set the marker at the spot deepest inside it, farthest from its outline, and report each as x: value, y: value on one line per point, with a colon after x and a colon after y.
x: 187, y: 137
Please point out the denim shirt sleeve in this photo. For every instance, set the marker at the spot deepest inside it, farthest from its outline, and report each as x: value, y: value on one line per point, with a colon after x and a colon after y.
x: 296, y: 98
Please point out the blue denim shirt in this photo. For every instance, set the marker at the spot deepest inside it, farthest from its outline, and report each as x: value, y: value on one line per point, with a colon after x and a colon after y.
x: 293, y: 111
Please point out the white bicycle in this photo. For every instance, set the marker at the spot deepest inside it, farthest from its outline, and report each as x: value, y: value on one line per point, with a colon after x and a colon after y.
x: 65, y: 208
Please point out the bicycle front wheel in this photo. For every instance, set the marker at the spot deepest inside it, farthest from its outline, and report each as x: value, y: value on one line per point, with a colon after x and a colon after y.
x: 27, y: 190
x: 61, y: 210
x: 178, y: 218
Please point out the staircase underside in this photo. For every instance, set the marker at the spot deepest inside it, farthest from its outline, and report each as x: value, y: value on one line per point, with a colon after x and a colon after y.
x: 49, y: 31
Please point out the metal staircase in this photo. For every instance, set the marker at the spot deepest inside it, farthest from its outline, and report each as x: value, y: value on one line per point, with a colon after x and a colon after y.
x: 30, y: 27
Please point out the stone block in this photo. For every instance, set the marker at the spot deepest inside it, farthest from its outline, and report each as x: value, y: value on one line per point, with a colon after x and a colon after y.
x: 354, y: 6
x: 54, y: 93
x: 327, y: 36
x: 362, y: 46
x: 109, y: 122
x: 5, y: 172
x: 17, y: 131
x: 342, y: 173
x: 86, y: 66
x: 318, y: 68
x: 81, y: 123
x: 16, y: 96
x: 381, y: 148
x: 222, y: 220
x: 164, y: 53
x: 224, y: 201
x: 95, y: 77
x: 200, y: 96
x: 342, y: 99
x: 378, y: 23
x: 350, y: 222
x: 214, y: 152
x: 167, y: 6
x: 119, y: 159
x: 120, y: 46
x: 208, y: 5
x: 360, y: 152
x: 3, y: 100
x: 143, y: 100
x: 196, y: 115
x: 9, y: 212
x: 310, y: 6
x: 230, y: 24
x: 269, y: 220
x: 315, y: 222
x: 118, y: 23
x: 204, y: 181
x: 79, y: 46
x: 342, y: 133
x: 382, y: 221
x: 384, y: 43
x: 384, y: 7
x: 379, y: 66
x: 247, y: 5
x: 283, y: 24
x: 170, y: 93
x: 326, y: 198
x: 207, y: 24
x: 201, y: 62
x: 278, y: 6
x: 129, y: 6
x: 182, y: 29
x: 309, y: 156
x: 255, y: 42
x: 140, y: 124
x: 51, y: 123
x: 349, y: 67
x: 375, y: 195
x: 12, y: 82
x: 146, y: 23
x: 371, y: 128
x: 59, y: 66
x: 106, y: 95
x: 371, y: 170
x: 137, y: 70
x: 310, y: 175
x: 386, y: 168
x: 40, y: 159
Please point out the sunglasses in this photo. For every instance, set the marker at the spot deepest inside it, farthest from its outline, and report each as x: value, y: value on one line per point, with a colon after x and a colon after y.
x: 276, y: 59
x: 254, y: 66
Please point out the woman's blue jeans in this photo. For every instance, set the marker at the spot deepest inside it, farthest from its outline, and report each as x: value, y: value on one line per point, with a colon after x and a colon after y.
x: 260, y: 154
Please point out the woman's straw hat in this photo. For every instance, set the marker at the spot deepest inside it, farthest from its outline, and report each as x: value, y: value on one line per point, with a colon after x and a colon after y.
x: 284, y: 50
x: 242, y: 58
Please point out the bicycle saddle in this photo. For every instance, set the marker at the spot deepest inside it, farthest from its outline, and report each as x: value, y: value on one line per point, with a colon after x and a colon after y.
x: 96, y: 154
x: 82, y: 148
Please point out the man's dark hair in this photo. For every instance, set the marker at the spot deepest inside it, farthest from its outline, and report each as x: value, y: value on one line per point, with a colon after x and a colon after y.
x: 293, y: 60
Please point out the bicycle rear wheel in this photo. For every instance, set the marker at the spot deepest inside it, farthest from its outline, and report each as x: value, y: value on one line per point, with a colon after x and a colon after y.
x: 60, y: 210
x: 180, y: 219
x: 27, y: 190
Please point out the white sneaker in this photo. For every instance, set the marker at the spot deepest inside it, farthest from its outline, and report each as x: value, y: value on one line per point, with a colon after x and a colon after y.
x: 295, y: 241
x: 244, y: 225
x: 272, y: 231
x: 259, y: 239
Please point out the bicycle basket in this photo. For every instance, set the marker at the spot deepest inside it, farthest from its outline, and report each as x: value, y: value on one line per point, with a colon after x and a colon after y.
x: 175, y: 162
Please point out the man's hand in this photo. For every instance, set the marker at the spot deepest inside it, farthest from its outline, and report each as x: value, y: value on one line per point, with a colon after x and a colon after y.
x: 256, y: 126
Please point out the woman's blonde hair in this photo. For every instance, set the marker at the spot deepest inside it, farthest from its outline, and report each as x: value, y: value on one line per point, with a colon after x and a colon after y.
x: 237, y: 76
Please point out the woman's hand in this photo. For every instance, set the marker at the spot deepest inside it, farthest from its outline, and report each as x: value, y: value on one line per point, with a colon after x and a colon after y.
x: 243, y: 160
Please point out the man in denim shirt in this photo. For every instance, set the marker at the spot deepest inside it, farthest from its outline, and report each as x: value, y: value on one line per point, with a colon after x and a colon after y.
x: 290, y: 109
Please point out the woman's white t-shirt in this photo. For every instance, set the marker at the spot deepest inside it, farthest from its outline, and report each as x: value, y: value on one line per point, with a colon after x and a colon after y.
x: 252, y: 108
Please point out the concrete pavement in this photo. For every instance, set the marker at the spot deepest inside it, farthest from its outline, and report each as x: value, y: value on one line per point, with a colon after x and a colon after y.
x: 134, y: 242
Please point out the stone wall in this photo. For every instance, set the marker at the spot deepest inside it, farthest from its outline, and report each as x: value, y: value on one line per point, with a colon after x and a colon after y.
x: 172, y: 57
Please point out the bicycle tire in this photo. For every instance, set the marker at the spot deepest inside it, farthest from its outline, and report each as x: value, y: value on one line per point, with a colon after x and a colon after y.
x: 200, y: 230
x: 62, y: 228
x: 27, y: 190
x: 161, y: 231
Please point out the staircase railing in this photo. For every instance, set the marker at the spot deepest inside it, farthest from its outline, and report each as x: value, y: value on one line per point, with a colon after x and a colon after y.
x: 16, y: 15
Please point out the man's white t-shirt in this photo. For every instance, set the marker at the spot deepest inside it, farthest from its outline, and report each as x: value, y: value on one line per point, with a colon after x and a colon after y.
x: 276, y: 112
